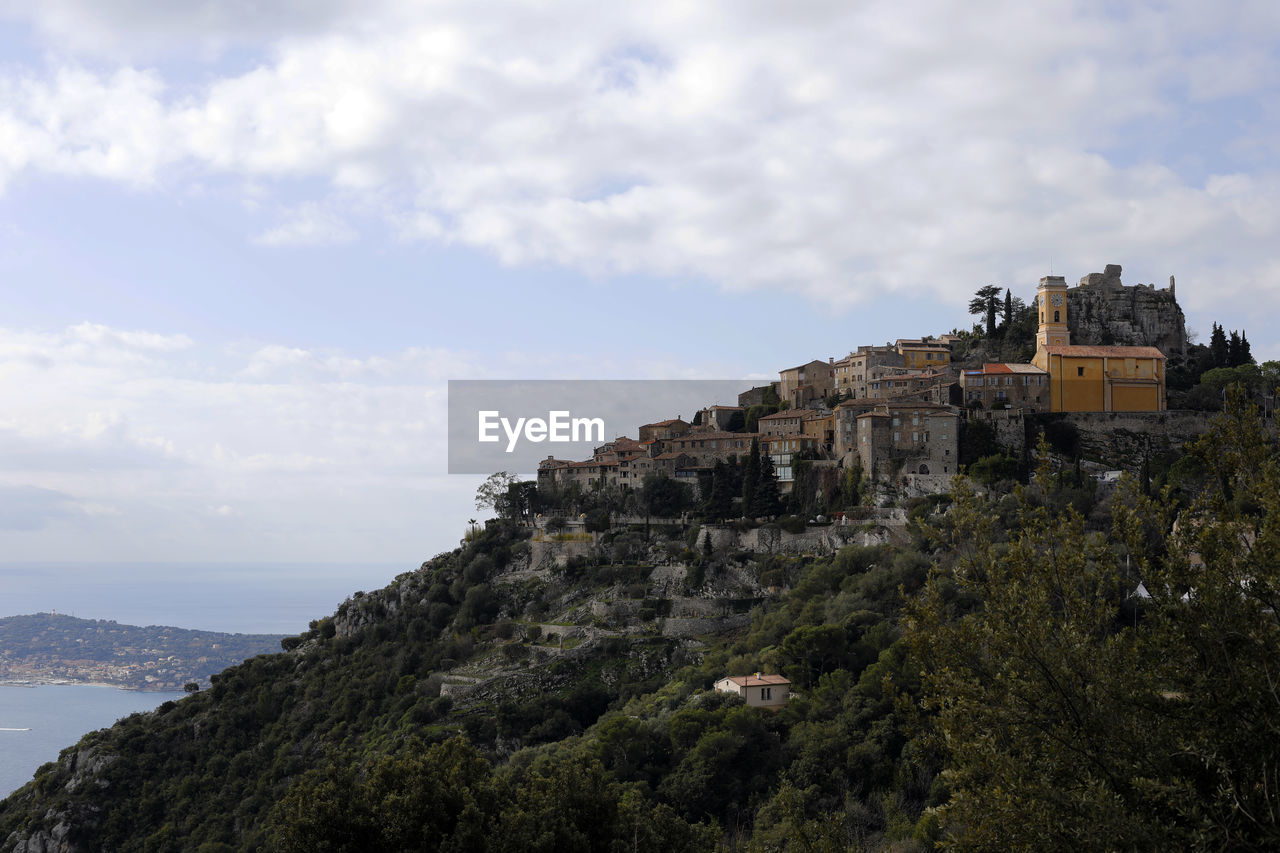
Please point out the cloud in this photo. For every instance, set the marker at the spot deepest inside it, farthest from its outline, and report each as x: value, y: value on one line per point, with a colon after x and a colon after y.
x: 309, y: 225
x: 829, y: 150
x: 31, y: 508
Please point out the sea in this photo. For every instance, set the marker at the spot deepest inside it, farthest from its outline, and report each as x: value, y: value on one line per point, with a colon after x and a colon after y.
x: 244, y: 598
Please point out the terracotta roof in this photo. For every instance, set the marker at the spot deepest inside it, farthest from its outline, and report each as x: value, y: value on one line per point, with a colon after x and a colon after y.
x: 729, y: 408
x: 702, y: 436
x: 924, y: 347
x: 996, y: 367
x: 754, y: 680
x: 670, y: 454
x: 1106, y: 352
x: 665, y: 423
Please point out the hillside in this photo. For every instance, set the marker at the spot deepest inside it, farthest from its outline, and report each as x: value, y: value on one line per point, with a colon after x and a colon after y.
x: 988, y: 674
x: 47, y: 647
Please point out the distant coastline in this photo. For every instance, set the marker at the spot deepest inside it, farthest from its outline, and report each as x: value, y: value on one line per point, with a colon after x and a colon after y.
x: 55, y: 649
x: 55, y: 682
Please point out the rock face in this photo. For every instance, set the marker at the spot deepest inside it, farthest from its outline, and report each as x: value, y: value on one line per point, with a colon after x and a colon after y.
x: 1102, y: 311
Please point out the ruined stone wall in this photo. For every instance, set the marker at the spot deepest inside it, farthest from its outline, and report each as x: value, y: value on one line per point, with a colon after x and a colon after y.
x: 1104, y: 312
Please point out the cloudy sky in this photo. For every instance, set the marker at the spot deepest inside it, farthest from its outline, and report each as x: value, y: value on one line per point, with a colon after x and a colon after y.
x: 244, y: 244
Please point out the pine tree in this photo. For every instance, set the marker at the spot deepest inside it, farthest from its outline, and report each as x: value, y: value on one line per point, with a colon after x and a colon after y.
x: 986, y: 301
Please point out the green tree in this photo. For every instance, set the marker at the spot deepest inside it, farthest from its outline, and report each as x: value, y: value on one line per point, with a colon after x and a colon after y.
x: 1078, y: 717
x: 751, y: 476
x: 1219, y: 347
x: 986, y: 301
x: 494, y: 489
x: 719, y: 502
x: 768, y: 502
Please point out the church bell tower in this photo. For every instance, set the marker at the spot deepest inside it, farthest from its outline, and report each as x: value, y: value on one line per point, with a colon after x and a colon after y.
x: 1051, y: 302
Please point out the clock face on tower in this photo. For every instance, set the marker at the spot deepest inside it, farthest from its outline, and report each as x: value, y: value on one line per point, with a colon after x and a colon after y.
x: 1056, y: 299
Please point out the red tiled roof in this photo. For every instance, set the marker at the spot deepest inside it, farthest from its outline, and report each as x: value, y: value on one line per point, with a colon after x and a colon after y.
x: 665, y: 423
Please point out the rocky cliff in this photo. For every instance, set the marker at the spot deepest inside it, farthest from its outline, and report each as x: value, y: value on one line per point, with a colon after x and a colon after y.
x: 1103, y: 311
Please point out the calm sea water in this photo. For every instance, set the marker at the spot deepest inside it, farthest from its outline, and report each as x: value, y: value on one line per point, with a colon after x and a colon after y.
x: 263, y: 598
x: 57, y: 715
x: 258, y: 598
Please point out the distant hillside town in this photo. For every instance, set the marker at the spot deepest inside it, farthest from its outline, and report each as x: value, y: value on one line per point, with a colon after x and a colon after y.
x: 1098, y: 357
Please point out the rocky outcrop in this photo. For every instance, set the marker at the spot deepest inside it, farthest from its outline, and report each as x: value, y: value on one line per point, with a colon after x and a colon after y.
x: 1103, y: 311
x: 86, y: 768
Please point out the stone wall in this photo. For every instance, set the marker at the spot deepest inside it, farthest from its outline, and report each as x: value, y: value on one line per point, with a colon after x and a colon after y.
x: 1121, y: 439
x: 1102, y: 311
x: 688, y: 627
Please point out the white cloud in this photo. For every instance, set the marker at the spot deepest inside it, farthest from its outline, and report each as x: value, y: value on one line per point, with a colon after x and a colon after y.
x: 826, y: 149
x: 309, y: 225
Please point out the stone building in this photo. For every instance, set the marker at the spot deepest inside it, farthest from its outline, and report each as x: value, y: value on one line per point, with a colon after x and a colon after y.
x: 910, y: 443
x: 758, y: 690
x: 851, y: 374
x: 788, y: 422
x: 806, y: 382
x: 663, y: 429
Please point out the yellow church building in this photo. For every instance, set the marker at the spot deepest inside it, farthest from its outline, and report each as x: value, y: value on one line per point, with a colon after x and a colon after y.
x: 1093, y: 379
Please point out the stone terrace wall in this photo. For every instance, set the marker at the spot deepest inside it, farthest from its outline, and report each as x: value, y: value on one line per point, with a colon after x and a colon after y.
x: 1120, y: 439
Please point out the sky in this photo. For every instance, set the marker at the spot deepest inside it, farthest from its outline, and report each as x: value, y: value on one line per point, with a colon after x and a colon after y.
x: 243, y: 246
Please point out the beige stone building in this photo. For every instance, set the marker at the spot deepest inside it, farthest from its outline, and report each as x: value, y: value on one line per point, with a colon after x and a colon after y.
x: 806, y: 382
x: 851, y: 374
x: 910, y: 444
x: 663, y: 429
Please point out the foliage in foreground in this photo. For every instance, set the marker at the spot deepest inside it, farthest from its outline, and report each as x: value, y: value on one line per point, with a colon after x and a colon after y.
x: 1081, y: 712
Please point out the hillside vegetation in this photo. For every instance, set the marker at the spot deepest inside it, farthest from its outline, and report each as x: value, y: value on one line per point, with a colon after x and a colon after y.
x: 1009, y: 674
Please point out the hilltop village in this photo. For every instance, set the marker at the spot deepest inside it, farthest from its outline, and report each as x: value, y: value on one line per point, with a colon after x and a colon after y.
x: 896, y: 414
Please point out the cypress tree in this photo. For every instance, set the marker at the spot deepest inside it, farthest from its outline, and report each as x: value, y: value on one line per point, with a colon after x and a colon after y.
x: 1218, y: 346
x: 751, y: 476
x: 1246, y: 357
x: 1008, y: 310
x: 767, y: 502
x: 1233, y: 350
x: 720, y: 501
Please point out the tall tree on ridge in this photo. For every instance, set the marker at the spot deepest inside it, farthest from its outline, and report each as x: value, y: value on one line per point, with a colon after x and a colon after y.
x: 986, y: 301
x: 1218, y: 346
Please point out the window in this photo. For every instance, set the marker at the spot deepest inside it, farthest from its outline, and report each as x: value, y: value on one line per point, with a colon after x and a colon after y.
x: 915, y: 436
x: 1079, y: 371
x: 895, y: 436
x: 1056, y: 317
